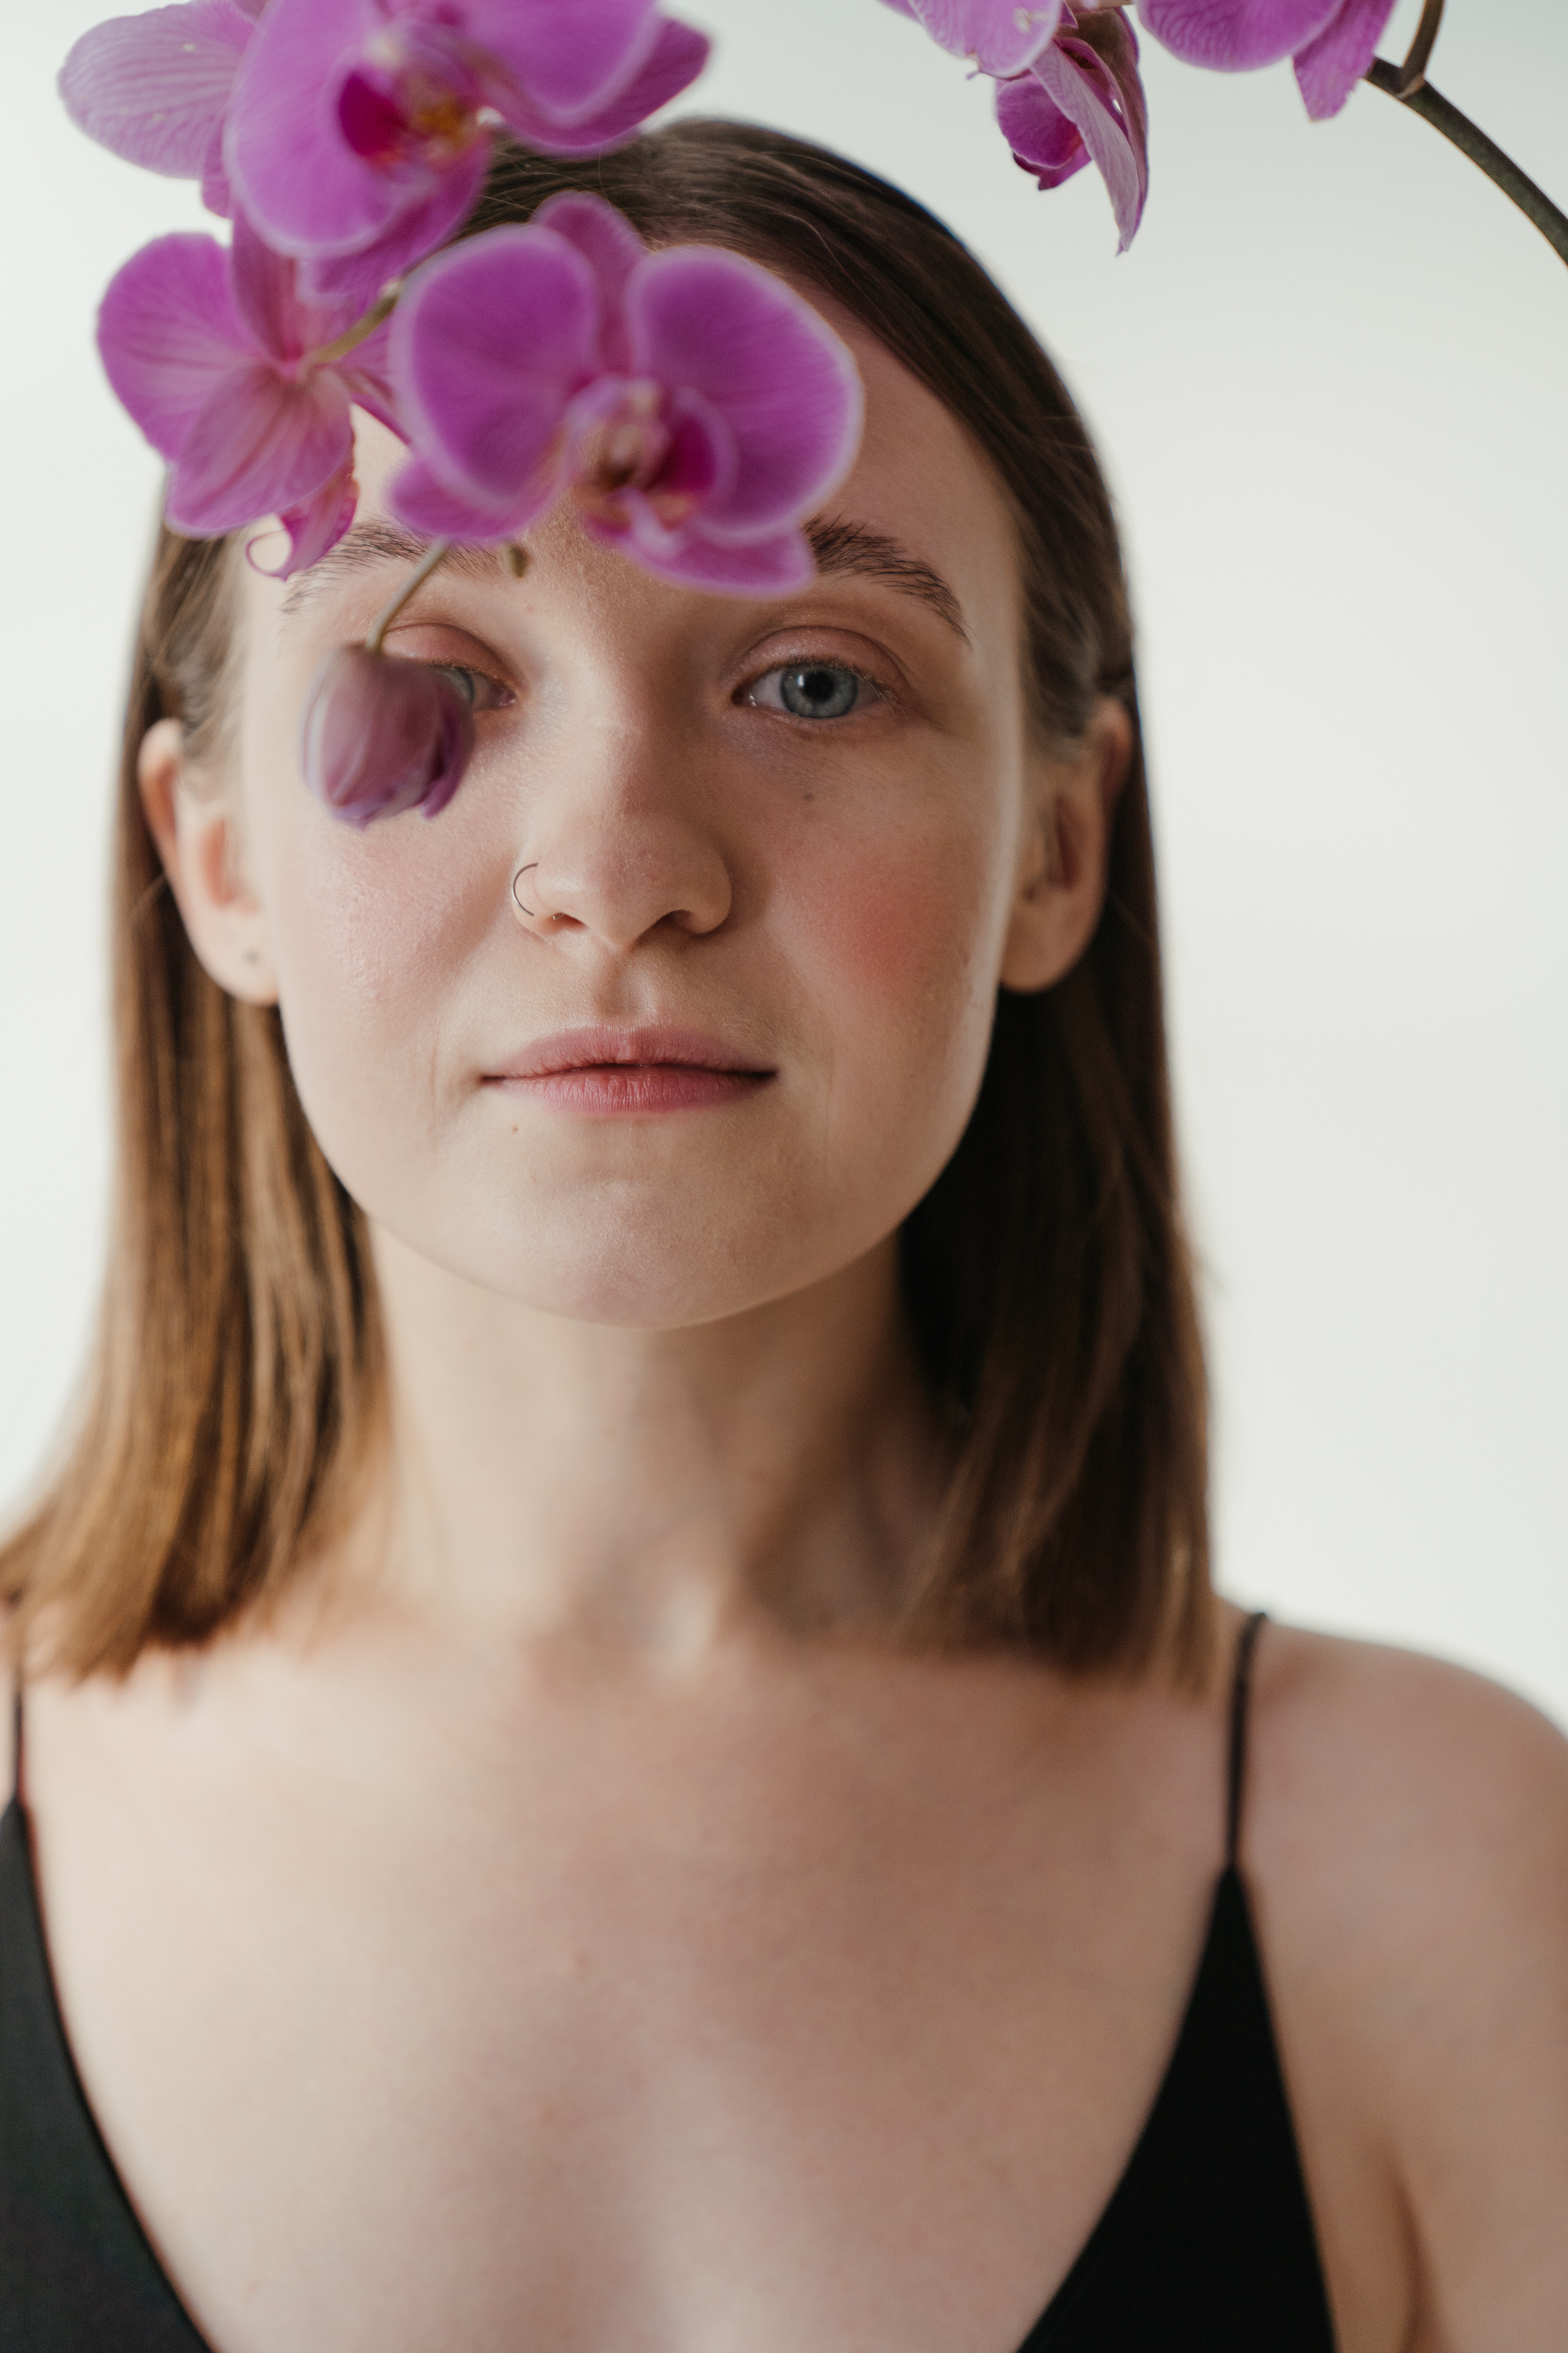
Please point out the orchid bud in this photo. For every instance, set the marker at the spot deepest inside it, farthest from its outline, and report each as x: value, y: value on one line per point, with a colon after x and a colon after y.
x: 380, y: 735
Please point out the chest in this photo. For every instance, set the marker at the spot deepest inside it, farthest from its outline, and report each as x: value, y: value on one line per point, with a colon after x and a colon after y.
x: 682, y: 2064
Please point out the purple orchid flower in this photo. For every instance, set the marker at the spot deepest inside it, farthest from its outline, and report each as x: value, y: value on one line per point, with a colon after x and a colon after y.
x: 1081, y: 102
x: 695, y: 407
x: 233, y: 379
x: 1332, y: 42
x: 155, y: 89
x: 998, y: 36
x: 360, y: 129
x: 379, y: 735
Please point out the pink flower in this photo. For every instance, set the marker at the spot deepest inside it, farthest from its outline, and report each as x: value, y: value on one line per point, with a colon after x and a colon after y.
x: 998, y: 36
x: 1333, y: 42
x: 1081, y: 102
x: 695, y: 408
x: 379, y: 735
x: 360, y: 129
x: 222, y: 365
x: 155, y: 88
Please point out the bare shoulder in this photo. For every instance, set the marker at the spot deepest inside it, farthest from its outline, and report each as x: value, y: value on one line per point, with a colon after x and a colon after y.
x: 1407, y: 1851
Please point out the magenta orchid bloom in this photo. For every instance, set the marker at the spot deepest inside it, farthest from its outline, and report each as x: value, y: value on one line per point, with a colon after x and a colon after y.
x: 1081, y: 102
x: 222, y: 365
x: 1333, y: 42
x: 379, y: 735
x: 695, y: 408
x: 998, y: 36
x: 155, y: 89
x: 361, y: 129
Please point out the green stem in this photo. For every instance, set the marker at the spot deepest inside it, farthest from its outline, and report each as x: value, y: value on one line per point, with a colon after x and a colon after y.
x: 434, y: 554
x: 341, y: 345
x: 1501, y: 169
x: 1413, y: 73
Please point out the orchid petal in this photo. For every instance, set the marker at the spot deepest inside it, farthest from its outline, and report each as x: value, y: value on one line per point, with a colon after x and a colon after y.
x: 315, y: 527
x: 998, y: 36
x: 1043, y: 139
x: 487, y: 347
x: 290, y: 166
x: 153, y: 89
x: 366, y: 377
x: 217, y: 194
x: 1100, y: 92
x: 1234, y: 36
x: 420, y: 499
x: 572, y: 61
x: 1329, y: 68
x: 379, y: 735
x: 776, y: 566
x: 169, y: 333
x: 612, y: 248
x: 260, y: 446
x: 678, y: 56
x: 785, y: 384
x: 265, y: 295
x: 355, y: 280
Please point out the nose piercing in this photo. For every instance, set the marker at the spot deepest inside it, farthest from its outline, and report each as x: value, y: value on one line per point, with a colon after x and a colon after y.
x: 516, y: 879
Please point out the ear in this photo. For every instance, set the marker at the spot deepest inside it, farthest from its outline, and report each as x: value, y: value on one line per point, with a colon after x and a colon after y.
x: 1066, y: 851
x: 198, y: 843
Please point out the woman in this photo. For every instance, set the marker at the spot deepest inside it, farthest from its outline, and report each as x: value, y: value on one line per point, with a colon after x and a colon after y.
x: 624, y: 1739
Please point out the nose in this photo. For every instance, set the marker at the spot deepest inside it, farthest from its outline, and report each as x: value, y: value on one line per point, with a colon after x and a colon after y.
x: 616, y: 845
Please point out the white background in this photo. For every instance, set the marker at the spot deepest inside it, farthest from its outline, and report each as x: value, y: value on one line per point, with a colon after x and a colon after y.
x: 1331, y: 382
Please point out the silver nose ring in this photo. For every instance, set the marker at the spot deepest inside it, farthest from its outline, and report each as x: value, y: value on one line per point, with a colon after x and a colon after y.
x: 516, y: 879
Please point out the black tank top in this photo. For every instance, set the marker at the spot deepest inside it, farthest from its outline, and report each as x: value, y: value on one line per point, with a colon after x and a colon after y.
x: 1206, y: 2245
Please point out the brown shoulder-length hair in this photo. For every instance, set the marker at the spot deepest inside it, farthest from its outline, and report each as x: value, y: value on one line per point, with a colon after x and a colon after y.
x: 237, y: 1395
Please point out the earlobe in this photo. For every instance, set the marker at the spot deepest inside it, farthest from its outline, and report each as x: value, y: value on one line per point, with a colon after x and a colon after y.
x: 196, y: 841
x: 1062, y: 872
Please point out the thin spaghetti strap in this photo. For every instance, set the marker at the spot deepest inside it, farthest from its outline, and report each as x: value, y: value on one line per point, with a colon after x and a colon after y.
x: 1240, y: 1691
x: 18, y: 1787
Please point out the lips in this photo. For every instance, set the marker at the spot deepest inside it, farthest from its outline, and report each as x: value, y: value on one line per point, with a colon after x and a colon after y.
x: 617, y: 1070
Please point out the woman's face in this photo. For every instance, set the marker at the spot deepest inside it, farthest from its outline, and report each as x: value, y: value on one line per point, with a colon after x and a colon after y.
x: 778, y: 854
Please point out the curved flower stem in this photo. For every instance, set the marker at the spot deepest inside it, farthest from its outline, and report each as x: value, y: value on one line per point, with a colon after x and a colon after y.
x: 341, y: 345
x: 434, y: 554
x: 1413, y: 73
x: 1433, y: 107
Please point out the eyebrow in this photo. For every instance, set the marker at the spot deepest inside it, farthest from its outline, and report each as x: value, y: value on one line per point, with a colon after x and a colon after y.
x: 378, y: 542
x: 838, y: 544
x: 841, y: 545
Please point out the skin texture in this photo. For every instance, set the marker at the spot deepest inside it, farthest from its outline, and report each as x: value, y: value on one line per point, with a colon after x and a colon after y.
x: 575, y: 1923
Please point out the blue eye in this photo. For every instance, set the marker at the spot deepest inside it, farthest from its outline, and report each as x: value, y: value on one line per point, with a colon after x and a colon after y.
x: 479, y: 690
x: 813, y: 690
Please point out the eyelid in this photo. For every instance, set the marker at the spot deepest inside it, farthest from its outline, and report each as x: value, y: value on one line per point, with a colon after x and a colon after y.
x: 802, y: 661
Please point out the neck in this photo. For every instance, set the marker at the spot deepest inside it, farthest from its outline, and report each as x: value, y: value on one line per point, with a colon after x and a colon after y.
x: 651, y: 1492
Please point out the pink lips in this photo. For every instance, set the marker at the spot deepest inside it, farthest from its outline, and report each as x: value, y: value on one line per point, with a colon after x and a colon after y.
x: 612, y: 1072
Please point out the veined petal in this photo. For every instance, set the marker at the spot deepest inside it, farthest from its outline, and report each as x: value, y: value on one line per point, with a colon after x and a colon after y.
x: 487, y: 347
x: 612, y: 248
x: 1234, y: 36
x: 291, y: 168
x: 266, y: 295
x: 258, y: 447
x: 1043, y: 139
x: 1329, y: 68
x: 417, y: 498
x: 571, y: 60
x: 775, y: 565
x: 678, y: 56
x: 1001, y: 36
x: 710, y: 322
x: 316, y: 526
x: 366, y: 377
x: 169, y: 334
x: 217, y: 194
x: 1098, y: 90
x: 354, y: 280
x: 154, y: 87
